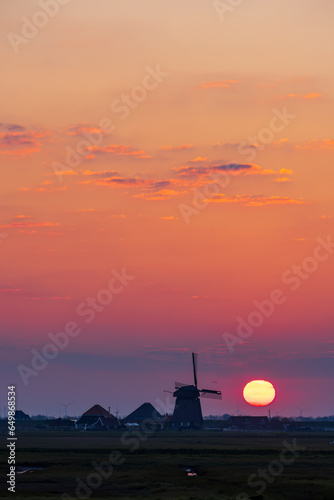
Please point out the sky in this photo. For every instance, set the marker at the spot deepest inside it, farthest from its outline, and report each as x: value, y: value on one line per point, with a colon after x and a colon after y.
x: 166, y: 178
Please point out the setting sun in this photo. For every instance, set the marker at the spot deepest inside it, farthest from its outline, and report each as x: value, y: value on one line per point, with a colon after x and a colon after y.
x: 259, y: 393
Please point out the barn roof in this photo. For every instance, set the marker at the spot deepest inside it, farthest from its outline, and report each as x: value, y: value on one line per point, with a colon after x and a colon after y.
x: 20, y: 415
x: 97, y: 411
x: 144, y: 411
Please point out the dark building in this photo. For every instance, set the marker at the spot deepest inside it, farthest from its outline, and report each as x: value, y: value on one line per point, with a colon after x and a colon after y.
x: 145, y: 412
x: 20, y: 415
x: 188, y: 412
x: 97, y: 418
x: 245, y: 423
x: 61, y: 424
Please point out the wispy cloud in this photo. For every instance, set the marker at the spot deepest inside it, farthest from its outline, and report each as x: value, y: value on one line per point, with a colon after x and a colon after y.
x: 12, y: 127
x: 84, y: 128
x: 102, y: 174
x: 116, y: 181
x: 162, y: 194
x: 11, y: 291
x: 19, y: 225
x: 316, y: 144
x: 146, y: 188
x: 282, y: 179
x: 45, y: 187
x: 18, y: 142
x: 232, y: 168
x: 226, y: 84
x: 255, y: 200
x: 116, y: 150
x: 22, y: 217
x: 198, y: 159
x: 286, y: 175
x: 177, y: 148
x: 302, y: 97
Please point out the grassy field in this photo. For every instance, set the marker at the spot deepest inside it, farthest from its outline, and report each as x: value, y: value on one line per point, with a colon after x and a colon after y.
x: 152, y: 466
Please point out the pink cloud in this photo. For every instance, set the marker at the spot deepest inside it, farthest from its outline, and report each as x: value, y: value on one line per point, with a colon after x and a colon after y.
x: 117, y: 150
x: 30, y: 224
x: 255, y: 200
x: 177, y: 148
x: 21, y: 143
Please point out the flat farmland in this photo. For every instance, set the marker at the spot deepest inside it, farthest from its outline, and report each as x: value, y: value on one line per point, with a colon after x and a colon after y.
x: 222, y: 465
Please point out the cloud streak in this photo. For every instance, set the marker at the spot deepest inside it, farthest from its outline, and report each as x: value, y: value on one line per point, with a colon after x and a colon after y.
x: 116, y: 150
x: 18, y: 142
x: 20, y: 225
x: 183, y: 147
x: 231, y: 168
x: 256, y: 200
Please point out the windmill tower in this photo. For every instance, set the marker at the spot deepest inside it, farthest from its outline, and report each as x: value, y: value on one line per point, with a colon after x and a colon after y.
x: 188, y: 411
x: 65, y: 407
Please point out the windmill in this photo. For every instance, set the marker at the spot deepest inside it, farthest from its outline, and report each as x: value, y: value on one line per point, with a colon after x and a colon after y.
x: 65, y: 407
x: 187, y: 411
x: 301, y: 412
x: 238, y: 412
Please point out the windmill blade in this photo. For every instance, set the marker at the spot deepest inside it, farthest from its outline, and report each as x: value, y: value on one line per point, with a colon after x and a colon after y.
x: 194, y: 356
x: 207, y: 393
x: 211, y: 396
x: 211, y: 391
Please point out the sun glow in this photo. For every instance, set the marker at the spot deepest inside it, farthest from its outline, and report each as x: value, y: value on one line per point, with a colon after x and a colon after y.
x: 259, y: 393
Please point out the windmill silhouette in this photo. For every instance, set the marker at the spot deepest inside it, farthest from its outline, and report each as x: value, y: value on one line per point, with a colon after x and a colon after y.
x: 301, y: 412
x: 65, y: 407
x: 237, y: 412
x: 188, y: 411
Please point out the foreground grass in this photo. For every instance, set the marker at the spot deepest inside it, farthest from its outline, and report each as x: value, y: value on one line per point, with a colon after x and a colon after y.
x: 224, y: 462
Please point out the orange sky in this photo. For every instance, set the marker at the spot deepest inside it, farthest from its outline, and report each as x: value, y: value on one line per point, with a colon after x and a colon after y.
x: 195, y: 152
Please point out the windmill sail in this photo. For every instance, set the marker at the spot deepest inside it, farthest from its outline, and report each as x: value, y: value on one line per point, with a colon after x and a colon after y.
x: 207, y: 393
x: 194, y: 356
